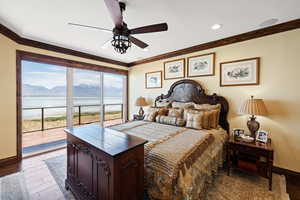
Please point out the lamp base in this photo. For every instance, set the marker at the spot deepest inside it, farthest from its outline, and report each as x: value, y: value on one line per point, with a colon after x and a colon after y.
x: 141, y: 111
x: 253, y: 126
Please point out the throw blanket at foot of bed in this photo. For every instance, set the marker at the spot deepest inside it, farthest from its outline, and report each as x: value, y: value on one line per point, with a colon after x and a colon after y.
x: 179, y: 162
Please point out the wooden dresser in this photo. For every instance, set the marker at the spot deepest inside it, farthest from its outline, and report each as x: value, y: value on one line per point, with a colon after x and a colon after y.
x: 104, y: 164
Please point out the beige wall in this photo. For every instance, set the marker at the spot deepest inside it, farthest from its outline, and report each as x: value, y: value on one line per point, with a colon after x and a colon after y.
x: 8, y: 90
x: 279, y: 87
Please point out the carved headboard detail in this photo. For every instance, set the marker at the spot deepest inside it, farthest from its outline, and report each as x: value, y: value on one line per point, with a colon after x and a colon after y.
x: 191, y: 91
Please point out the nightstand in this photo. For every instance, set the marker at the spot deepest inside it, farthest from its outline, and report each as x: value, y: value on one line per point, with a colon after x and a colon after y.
x: 138, y: 117
x: 252, y: 157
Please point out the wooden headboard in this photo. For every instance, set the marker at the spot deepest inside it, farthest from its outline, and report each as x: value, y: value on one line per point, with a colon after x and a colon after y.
x: 191, y: 91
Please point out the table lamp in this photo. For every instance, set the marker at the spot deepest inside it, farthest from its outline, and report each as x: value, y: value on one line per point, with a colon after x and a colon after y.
x: 253, y: 107
x: 141, y: 101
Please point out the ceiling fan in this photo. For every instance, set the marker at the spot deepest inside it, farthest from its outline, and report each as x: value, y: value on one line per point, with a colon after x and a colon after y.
x: 122, y: 36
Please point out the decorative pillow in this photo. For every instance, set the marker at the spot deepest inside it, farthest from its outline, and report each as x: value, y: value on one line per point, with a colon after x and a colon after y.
x: 190, y: 110
x: 207, y: 106
x: 182, y: 105
x: 170, y: 120
x: 214, y: 118
x: 163, y: 104
x: 160, y: 110
x: 194, y: 120
x: 175, y: 112
x: 150, y: 116
x: 207, y: 115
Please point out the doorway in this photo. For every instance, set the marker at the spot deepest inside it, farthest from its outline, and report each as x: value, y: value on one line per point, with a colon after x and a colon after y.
x: 54, y: 94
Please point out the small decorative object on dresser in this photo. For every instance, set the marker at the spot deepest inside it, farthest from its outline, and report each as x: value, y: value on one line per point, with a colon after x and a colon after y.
x: 202, y: 65
x: 153, y: 80
x: 262, y: 136
x: 240, y: 72
x: 141, y: 102
x: 252, y: 157
x: 174, y: 69
x: 254, y: 107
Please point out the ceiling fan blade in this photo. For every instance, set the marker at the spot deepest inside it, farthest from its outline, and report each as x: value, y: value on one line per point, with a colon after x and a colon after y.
x: 106, y: 44
x: 138, y: 42
x: 94, y: 27
x: 150, y: 28
x: 115, y: 12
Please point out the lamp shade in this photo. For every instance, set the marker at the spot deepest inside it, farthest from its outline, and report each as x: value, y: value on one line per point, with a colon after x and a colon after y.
x: 254, y: 107
x: 141, y: 101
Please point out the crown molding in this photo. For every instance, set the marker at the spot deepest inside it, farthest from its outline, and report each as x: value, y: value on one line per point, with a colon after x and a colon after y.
x: 290, y: 25
x: 41, y: 45
x: 287, y: 26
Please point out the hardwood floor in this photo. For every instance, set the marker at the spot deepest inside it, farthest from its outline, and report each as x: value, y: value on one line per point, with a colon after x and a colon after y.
x: 42, y: 185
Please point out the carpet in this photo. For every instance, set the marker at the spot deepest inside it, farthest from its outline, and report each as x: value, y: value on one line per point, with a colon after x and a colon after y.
x: 13, y: 187
x: 235, y: 187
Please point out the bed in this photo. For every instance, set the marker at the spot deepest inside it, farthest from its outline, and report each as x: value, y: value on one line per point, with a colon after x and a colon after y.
x: 181, y: 162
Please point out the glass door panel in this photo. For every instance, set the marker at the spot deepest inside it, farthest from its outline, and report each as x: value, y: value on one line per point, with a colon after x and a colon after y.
x: 113, y: 97
x: 87, y: 101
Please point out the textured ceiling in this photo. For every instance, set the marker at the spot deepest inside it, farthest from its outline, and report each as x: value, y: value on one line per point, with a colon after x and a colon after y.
x: 189, y: 22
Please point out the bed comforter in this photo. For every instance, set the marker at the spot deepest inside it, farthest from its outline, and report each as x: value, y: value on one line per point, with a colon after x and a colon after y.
x: 179, y: 162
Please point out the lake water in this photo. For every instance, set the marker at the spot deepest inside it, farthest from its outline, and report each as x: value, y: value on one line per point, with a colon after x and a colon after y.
x: 36, y: 102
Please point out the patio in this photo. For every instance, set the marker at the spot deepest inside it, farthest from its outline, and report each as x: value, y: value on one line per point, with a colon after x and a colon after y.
x: 52, y: 137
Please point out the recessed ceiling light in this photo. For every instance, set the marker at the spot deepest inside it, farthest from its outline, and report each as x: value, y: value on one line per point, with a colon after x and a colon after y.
x: 269, y: 22
x: 216, y: 26
x: 145, y: 49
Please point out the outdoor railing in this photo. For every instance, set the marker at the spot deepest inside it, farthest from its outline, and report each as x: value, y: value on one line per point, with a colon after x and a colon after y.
x: 79, y: 116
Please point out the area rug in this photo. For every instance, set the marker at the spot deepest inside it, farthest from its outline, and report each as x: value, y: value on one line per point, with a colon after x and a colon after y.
x: 13, y: 187
x: 238, y: 186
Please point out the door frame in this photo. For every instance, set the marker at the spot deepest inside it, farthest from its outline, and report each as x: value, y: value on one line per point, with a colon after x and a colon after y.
x: 34, y: 57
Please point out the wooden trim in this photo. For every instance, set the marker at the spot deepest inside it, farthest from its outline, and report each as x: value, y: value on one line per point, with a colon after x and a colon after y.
x: 23, y: 55
x: 282, y: 171
x: 19, y: 104
x: 241, y: 60
x: 8, y: 161
x: 146, y: 86
x: 287, y: 26
x: 183, y: 59
x: 214, y: 63
x: 41, y: 45
x: 9, y: 33
x: 68, y: 63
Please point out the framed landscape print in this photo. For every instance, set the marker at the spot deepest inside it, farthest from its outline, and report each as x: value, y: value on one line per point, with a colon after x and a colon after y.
x: 174, y: 69
x: 153, y: 79
x: 202, y: 65
x: 240, y: 72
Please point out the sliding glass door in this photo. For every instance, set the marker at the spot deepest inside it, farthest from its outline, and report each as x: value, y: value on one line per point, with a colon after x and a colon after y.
x: 97, y: 98
x: 55, y: 97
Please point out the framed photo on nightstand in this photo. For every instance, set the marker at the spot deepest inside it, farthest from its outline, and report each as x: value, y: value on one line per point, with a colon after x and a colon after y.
x: 262, y: 136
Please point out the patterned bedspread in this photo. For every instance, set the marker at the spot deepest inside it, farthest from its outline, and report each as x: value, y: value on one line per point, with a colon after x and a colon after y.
x: 179, y: 162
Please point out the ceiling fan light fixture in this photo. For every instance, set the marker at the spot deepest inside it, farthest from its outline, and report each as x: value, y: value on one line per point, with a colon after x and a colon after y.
x: 121, y: 43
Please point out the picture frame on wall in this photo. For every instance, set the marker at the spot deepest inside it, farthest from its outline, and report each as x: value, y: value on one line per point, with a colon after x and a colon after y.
x: 153, y: 80
x: 240, y: 72
x: 174, y: 69
x: 201, y: 65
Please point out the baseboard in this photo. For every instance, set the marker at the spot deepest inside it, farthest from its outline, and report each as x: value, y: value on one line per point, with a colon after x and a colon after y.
x: 8, y: 161
x: 279, y: 170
